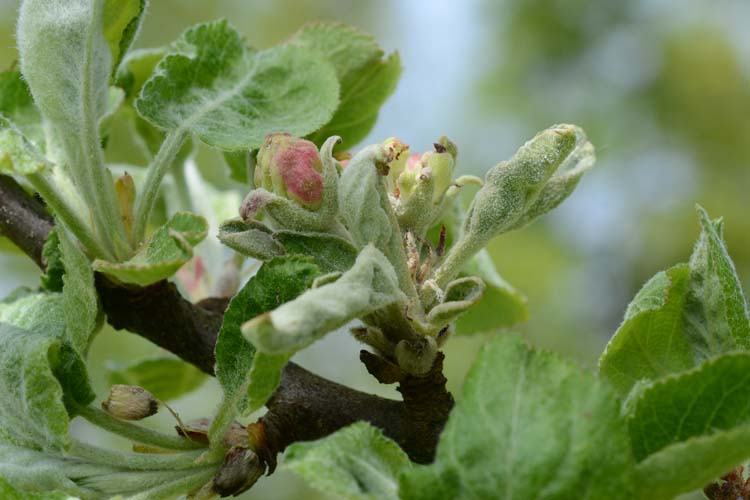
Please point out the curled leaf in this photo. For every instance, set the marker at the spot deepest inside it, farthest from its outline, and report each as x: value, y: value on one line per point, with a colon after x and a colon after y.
x: 167, y: 250
x: 369, y: 285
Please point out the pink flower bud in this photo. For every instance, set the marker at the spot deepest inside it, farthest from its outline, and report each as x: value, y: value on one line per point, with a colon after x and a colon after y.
x: 291, y: 167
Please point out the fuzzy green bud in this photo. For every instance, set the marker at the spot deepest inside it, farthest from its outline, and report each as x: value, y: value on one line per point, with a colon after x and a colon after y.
x: 291, y: 168
x: 541, y: 174
x: 129, y: 402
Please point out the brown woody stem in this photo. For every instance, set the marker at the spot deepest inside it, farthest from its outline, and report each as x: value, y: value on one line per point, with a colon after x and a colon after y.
x: 304, y: 407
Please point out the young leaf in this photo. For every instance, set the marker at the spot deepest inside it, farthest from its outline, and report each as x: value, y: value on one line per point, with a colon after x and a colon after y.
x: 330, y: 253
x: 650, y: 342
x: 717, y: 309
x: 66, y: 61
x: 696, y: 423
x: 165, y: 378
x: 17, y: 105
x: 18, y: 155
x: 251, y: 238
x: 366, y: 79
x: 169, y: 248
x: 36, y: 371
x: 52, y: 279
x: 136, y: 68
x: 211, y: 85
x: 8, y: 492
x: 501, y: 305
x: 121, y: 21
x: 369, y: 285
x: 681, y: 317
x: 79, y: 297
x: 237, y: 361
x: 356, y: 462
x: 364, y: 203
x: 460, y: 295
x: 528, y: 425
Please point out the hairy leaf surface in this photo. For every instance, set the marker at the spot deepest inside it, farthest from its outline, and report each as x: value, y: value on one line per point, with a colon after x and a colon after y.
x: 356, y: 463
x: 369, y: 285
x: 213, y: 86
x: 237, y: 361
x: 528, y: 425
x: 36, y: 371
x: 681, y: 317
x: 169, y: 248
x: 688, y: 428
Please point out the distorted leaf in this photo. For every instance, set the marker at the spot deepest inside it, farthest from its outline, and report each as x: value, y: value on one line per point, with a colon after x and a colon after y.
x: 167, y: 250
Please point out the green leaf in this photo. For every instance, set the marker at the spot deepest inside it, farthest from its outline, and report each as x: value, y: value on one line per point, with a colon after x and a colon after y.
x: 681, y: 317
x: 691, y: 464
x: 18, y: 155
x: 356, y: 463
x: 79, y: 296
x: 369, y: 285
x: 330, y: 253
x: 240, y: 163
x: 650, y: 342
x: 366, y: 79
x: 696, y: 417
x: 165, y: 378
x: 17, y: 105
x: 528, y: 425
x: 52, y: 279
x: 168, y: 249
x: 460, y: 296
x: 36, y: 371
x: 37, y: 312
x: 66, y: 61
x: 251, y: 238
x: 501, y: 305
x: 8, y: 492
x: 364, y: 204
x: 121, y: 21
x: 718, y: 312
x: 237, y: 362
x: 136, y: 68
x: 213, y: 86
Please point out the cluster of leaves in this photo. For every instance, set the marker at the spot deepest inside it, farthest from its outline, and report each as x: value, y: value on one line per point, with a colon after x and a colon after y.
x: 382, y: 243
x: 666, y: 416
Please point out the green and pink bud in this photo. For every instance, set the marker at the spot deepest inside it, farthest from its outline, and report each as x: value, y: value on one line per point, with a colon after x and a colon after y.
x: 291, y: 168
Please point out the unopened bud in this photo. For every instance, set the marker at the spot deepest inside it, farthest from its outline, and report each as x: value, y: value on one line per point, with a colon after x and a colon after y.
x: 407, y: 180
x: 125, y: 191
x: 417, y: 356
x: 240, y: 470
x: 399, y: 151
x: 129, y: 402
x: 441, y: 163
x: 291, y: 168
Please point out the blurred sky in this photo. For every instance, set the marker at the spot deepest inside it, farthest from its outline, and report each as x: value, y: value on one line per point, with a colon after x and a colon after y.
x: 662, y: 87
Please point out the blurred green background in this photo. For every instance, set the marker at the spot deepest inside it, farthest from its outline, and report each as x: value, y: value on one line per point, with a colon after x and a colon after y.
x: 662, y: 88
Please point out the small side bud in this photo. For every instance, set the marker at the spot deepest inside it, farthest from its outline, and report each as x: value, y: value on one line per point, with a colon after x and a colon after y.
x: 291, y: 168
x: 417, y: 356
x: 240, y: 470
x: 129, y: 402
